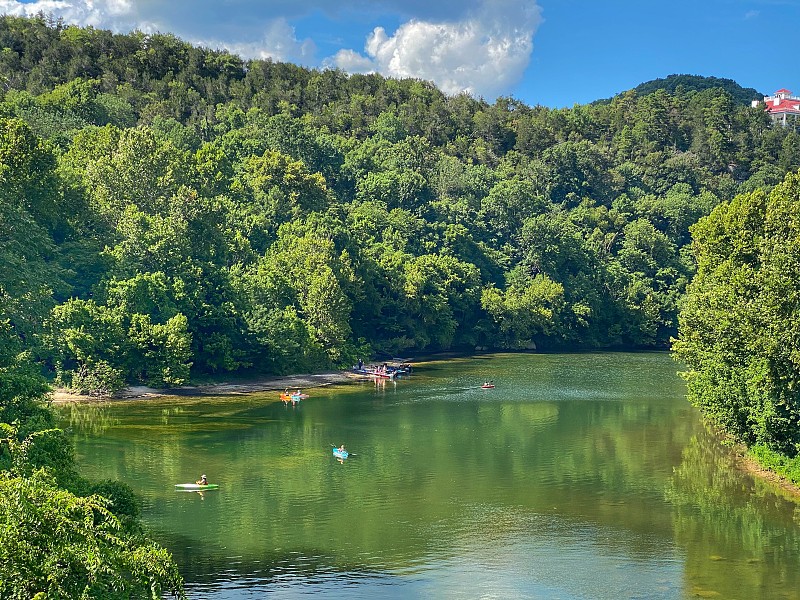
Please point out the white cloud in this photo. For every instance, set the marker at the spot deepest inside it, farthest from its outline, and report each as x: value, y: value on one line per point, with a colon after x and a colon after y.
x: 485, y: 53
x: 106, y: 14
x: 479, y: 46
x: 279, y: 43
x: 277, y: 38
x: 352, y: 62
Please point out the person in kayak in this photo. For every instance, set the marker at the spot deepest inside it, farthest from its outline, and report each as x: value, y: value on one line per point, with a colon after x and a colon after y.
x: 202, y: 481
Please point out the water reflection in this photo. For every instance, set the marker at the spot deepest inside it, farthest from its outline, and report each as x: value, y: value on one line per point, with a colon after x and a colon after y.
x: 550, y: 486
x: 170, y: 412
x: 86, y: 419
x: 728, y: 521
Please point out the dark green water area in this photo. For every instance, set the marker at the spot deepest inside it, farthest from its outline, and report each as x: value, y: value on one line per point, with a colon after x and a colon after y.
x: 578, y: 477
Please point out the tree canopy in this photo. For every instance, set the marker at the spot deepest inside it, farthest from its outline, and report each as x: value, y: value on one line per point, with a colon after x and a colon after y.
x: 171, y: 211
x: 739, y: 335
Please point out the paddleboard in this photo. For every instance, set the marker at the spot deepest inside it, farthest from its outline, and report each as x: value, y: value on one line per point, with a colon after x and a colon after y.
x: 196, y: 486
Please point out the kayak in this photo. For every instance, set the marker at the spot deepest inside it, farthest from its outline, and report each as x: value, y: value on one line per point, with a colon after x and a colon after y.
x: 293, y: 397
x: 196, y: 486
x: 340, y: 453
x: 488, y: 386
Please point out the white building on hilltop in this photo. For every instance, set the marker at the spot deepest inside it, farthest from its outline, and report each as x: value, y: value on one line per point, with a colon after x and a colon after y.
x: 782, y: 107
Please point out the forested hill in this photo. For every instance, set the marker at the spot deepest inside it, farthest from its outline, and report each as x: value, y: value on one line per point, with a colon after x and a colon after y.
x: 169, y: 209
x: 697, y: 83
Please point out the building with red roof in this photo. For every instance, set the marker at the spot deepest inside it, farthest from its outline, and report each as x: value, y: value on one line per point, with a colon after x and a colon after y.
x: 783, y: 107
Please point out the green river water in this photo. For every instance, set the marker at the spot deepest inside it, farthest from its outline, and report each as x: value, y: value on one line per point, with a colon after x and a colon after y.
x: 579, y: 477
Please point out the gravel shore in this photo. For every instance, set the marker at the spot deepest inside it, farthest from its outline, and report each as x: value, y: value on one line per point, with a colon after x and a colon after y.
x: 61, y: 396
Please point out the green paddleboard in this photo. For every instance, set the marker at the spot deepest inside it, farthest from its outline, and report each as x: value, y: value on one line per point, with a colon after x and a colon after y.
x: 196, y: 486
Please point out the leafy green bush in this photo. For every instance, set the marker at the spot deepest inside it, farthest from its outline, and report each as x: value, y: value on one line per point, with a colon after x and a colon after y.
x: 60, y: 545
x: 123, y: 501
x: 98, y: 379
x: 786, y: 467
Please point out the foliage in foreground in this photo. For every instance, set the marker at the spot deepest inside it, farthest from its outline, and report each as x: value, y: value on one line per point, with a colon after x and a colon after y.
x: 62, y: 536
x: 54, y: 544
x: 739, y: 335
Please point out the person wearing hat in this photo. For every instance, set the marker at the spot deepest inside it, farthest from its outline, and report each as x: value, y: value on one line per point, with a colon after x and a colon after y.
x: 202, y: 481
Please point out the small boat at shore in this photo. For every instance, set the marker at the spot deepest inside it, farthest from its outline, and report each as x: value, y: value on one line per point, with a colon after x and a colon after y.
x: 293, y: 397
x: 375, y: 372
x: 387, y: 370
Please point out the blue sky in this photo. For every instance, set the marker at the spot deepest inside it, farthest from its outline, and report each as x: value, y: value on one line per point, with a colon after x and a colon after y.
x: 551, y: 52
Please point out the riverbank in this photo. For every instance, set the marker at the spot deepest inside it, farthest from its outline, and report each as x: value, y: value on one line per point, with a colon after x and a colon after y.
x: 750, y: 465
x: 747, y: 462
x: 63, y: 396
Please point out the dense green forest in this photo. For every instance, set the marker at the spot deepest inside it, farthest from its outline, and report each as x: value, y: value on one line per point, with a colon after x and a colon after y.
x: 172, y: 211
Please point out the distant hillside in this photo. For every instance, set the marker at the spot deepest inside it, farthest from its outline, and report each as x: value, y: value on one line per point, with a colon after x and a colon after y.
x: 698, y: 83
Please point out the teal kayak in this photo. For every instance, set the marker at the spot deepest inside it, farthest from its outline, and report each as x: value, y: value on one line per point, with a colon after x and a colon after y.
x: 340, y: 453
x: 196, y: 486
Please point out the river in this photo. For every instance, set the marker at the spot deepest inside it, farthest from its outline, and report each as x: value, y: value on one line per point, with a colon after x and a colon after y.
x: 578, y: 477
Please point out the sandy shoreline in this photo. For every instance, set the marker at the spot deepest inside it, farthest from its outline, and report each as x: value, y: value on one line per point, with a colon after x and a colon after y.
x: 61, y: 396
